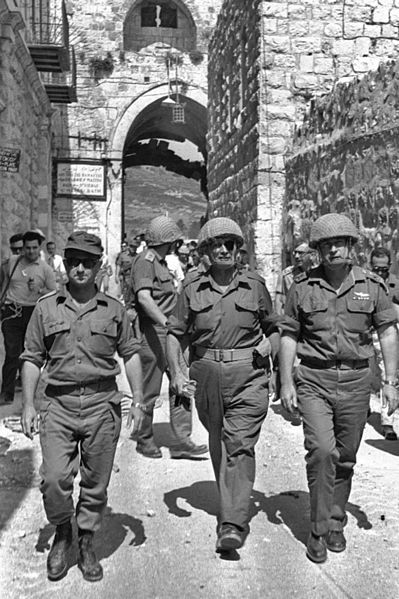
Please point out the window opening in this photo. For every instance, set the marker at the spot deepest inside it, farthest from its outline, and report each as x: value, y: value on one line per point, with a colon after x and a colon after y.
x: 159, y: 15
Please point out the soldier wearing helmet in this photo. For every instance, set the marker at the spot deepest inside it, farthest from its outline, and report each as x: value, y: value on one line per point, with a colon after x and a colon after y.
x: 329, y: 316
x: 155, y: 299
x: 224, y: 315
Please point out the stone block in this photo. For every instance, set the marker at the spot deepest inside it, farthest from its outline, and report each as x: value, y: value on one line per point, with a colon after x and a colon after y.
x: 306, y: 45
x: 274, y: 145
x: 275, y: 9
x: 276, y: 78
x: 305, y: 82
x: 333, y: 30
x: 394, y: 14
x: 306, y: 63
x: 372, y: 30
x: 278, y: 43
x: 364, y: 64
x: 362, y: 46
x: 296, y: 11
x: 380, y: 15
x: 343, y: 47
x: 287, y: 62
x: 323, y: 65
x: 353, y: 29
x: 299, y: 28
x: 269, y: 26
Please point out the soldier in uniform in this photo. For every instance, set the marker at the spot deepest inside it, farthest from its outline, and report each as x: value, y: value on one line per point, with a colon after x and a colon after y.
x: 302, y: 262
x: 155, y: 299
x: 331, y: 312
x: 380, y: 264
x: 223, y: 314
x: 75, y: 334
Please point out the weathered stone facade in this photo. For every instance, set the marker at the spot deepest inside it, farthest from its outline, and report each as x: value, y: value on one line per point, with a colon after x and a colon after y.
x: 122, y: 79
x: 304, y: 50
x: 25, y: 119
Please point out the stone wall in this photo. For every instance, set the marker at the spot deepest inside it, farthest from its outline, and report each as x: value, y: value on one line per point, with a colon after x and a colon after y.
x: 306, y: 48
x: 25, y: 117
x: 234, y: 115
x: 346, y: 159
x: 110, y: 99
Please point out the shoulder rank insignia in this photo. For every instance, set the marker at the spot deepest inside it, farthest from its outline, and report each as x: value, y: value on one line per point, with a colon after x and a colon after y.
x: 150, y: 256
x: 301, y: 277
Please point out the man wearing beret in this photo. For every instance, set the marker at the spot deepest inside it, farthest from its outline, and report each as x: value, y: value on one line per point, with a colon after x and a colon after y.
x: 75, y: 333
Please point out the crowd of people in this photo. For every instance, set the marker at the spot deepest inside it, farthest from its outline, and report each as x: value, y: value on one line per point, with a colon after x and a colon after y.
x: 198, y: 313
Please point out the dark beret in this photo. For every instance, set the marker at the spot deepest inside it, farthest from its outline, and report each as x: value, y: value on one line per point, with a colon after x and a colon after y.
x: 84, y: 242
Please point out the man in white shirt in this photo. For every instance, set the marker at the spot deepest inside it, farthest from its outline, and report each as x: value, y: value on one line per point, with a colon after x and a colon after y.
x: 56, y: 262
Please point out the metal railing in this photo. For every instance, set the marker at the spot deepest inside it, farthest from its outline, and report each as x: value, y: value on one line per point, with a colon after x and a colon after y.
x: 46, y: 22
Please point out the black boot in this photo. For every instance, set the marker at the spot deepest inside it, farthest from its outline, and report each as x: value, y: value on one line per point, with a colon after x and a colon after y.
x: 87, y: 561
x: 57, y: 560
x: 145, y: 440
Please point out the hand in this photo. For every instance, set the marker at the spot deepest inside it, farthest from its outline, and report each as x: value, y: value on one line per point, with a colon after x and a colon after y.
x: 178, y: 384
x: 390, y: 397
x: 29, y: 421
x: 137, y: 416
x: 288, y: 397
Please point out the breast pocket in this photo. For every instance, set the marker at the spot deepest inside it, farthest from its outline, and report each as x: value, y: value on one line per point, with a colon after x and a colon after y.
x: 103, y: 334
x: 314, y: 314
x: 359, y: 315
x: 57, y: 338
x: 202, y: 315
x: 246, y: 314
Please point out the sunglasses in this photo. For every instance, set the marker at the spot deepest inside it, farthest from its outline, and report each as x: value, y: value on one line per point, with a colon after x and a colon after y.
x: 87, y: 263
x: 229, y: 244
x: 383, y: 269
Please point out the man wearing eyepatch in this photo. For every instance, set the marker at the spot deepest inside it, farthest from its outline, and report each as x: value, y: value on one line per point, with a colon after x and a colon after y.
x: 74, y: 334
x: 380, y: 263
x: 224, y: 315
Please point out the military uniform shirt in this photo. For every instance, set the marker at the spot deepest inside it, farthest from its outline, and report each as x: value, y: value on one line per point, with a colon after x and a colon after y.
x: 149, y: 271
x: 392, y: 284
x: 78, y: 344
x: 336, y: 324
x: 235, y: 319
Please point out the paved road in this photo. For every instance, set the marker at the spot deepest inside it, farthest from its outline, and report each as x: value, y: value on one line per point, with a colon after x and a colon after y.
x: 159, y: 532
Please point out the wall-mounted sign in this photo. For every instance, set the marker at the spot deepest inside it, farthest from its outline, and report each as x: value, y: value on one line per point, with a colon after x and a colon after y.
x: 9, y: 160
x: 81, y: 179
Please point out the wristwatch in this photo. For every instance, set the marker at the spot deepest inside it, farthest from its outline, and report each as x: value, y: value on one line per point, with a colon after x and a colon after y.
x: 391, y: 382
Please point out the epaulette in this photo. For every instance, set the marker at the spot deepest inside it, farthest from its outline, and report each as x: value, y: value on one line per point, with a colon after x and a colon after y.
x: 300, y: 277
x: 150, y: 256
x: 373, y: 276
x: 111, y: 297
x: 252, y: 274
x: 191, y: 277
x: 49, y: 294
x: 287, y: 270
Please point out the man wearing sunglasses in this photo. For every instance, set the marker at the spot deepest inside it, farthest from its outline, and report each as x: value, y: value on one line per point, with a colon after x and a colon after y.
x: 380, y: 263
x: 223, y: 314
x: 329, y: 316
x: 74, y: 333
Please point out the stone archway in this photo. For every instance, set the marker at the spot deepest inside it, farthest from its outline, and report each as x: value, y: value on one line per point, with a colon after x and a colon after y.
x: 131, y: 126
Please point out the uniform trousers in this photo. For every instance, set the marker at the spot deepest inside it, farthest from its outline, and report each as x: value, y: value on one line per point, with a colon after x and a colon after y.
x: 333, y: 404
x: 232, y: 402
x: 79, y: 431
x: 153, y: 360
x: 15, y: 320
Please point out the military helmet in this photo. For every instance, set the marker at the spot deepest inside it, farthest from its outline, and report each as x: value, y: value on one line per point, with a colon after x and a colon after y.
x: 332, y: 225
x: 162, y: 229
x: 220, y: 227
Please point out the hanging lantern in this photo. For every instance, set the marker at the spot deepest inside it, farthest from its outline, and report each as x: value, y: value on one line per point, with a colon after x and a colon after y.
x: 178, y: 115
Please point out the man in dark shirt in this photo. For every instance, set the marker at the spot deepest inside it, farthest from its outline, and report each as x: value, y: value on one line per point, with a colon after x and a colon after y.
x: 75, y: 334
x: 223, y: 315
x: 155, y: 293
x: 24, y: 278
x: 330, y: 313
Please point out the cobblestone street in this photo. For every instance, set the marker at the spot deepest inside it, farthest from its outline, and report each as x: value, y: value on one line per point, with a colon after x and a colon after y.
x: 158, y: 536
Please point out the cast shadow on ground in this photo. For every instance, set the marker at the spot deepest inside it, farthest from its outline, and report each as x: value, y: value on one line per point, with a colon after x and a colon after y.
x: 290, y: 508
x: 280, y: 411
x: 115, y: 528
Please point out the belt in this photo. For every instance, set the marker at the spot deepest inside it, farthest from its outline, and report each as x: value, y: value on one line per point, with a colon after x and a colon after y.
x: 338, y: 364
x: 224, y: 355
x: 81, y: 388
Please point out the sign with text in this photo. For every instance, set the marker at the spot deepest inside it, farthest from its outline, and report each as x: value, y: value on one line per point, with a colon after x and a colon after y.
x: 9, y: 160
x: 79, y: 179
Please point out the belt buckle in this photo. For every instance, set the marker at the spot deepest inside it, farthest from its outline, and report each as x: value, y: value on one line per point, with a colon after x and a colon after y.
x: 220, y: 355
x: 338, y: 365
